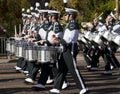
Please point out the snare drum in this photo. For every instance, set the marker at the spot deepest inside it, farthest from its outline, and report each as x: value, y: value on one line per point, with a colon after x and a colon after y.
x: 10, y: 46
x: 88, y: 35
x: 19, y: 50
x: 98, y: 40
x: 107, y: 35
x: 47, y: 54
x: 13, y: 47
x: 116, y: 40
x: 80, y: 36
x: 31, y: 52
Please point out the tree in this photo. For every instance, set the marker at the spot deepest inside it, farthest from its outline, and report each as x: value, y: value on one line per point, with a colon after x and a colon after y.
x: 10, y: 10
x: 10, y: 13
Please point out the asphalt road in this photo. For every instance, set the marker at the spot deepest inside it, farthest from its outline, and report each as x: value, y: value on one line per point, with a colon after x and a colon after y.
x: 12, y: 82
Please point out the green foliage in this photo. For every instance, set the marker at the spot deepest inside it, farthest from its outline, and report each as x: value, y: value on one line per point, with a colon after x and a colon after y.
x: 57, y: 5
x: 10, y: 14
x: 25, y: 4
x: 10, y: 10
x: 88, y: 9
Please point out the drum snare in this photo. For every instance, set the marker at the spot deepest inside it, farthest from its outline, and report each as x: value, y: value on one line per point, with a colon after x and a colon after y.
x: 47, y: 54
x: 31, y: 52
x: 19, y: 50
x: 10, y: 46
x: 116, y: 40
x: 98, y: 40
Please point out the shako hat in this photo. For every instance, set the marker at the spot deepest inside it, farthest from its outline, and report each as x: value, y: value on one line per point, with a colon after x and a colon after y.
x: 70, y: 11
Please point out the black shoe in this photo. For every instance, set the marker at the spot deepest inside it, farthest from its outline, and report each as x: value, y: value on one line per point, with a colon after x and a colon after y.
x: 107, y: 73
x: 52, y: 92
x: 93, y: 69
x: 38, y: 88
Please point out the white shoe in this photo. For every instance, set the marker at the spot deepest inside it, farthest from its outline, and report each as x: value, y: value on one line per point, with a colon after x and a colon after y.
x: 39, y: 86
x: 112, y: 67
x: 26, y: 72
x: 56, y: 91
x: 83, y: 91
x: 65, y: 85
x: 29, y: 80
x: 49, y: 81
x: 39, y: 71
x: 17, y: 68
x: 88, y: 66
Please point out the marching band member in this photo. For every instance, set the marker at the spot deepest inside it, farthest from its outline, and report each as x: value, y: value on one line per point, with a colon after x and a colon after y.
x: 68, y: 57
x: 105, y: 52
x: 42, y: 31
x: 21, y: 63
x: 55, y: 29
x: 91, y: 53
x: 97, y: 51
x: 30, y: 37
x: 113, y: 49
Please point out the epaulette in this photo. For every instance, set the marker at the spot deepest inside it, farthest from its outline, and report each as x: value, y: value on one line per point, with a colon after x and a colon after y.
x: 56, y: 23
x: 45, y: 25
x: 72, y: 21
x: 57, y: 27
x: 73, y: 25
x: 46, y: 21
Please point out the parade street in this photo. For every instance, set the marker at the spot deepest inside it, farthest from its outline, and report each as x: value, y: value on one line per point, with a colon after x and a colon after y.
x: 12, y: 82
x: 59, y: 47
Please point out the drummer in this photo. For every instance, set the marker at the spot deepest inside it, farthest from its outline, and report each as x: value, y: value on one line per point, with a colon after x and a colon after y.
x: 30, y: 37
x: 55, y: 30
x: 91, y: 53
x: 29, y: 25
x: 20, y: 66
x: 116, y: 32
x: 42, y: 31
x: 68, y: 57
x: 105, y: 52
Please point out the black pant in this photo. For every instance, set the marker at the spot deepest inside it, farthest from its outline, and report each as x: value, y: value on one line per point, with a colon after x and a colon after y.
x: 92, y: 56
x: 46, y: 70
x: 19, y: 62
x: 67, y: 62
x: 95, y: 57
x: 33, y: 69
x: 87, y: 56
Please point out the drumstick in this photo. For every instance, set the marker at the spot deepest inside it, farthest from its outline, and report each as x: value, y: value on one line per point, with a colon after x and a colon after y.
x: 15, y: 31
